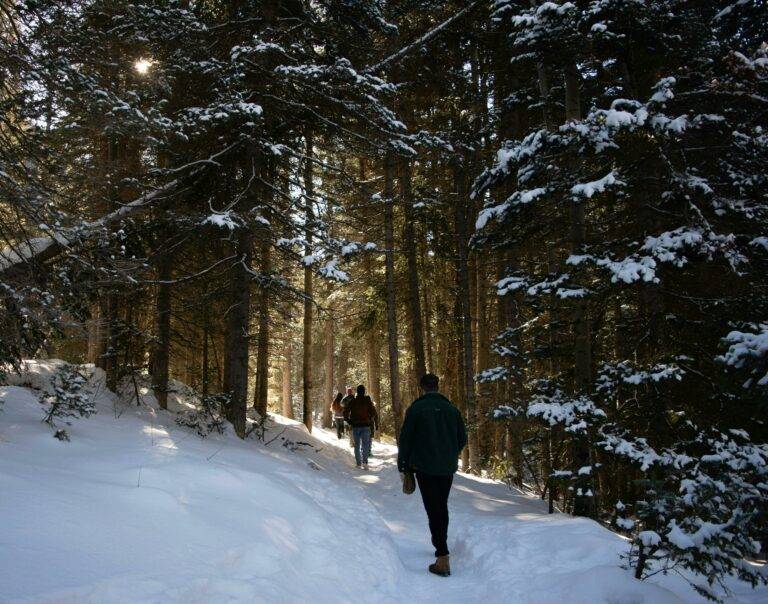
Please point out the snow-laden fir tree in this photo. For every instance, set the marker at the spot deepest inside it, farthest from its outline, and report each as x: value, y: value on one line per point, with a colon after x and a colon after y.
x: 67, y: 397
x: 642, y: 183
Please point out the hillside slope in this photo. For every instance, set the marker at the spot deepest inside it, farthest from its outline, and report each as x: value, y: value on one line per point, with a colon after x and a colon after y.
x: 138, y: 509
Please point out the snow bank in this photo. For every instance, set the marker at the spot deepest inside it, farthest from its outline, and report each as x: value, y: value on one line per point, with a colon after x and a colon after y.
x: 38, y: 375
x: 138, y: 509
x: 134, y: 509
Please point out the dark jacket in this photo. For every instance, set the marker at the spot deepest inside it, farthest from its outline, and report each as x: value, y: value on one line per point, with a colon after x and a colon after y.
x: 346, y: 400
x: 361, y: 412
x: 432, y: 436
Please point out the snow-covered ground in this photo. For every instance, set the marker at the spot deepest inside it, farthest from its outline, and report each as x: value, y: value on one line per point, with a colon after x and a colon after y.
x: 138, y: 509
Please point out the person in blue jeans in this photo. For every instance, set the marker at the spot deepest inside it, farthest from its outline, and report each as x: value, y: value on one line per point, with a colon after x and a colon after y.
x: 361, y: 415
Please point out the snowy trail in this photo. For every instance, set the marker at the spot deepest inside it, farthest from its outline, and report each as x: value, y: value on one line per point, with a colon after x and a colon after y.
x: 137, y: 509
x: 504, y: 545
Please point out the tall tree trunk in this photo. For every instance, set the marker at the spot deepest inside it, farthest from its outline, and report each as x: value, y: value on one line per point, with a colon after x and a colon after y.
x: 416, y: 331
x: 372, y: 344
x: 582, y: 345
x: 329, y: 346
x: 485, y: 390
x: 261, y: 389
x: 511, y: 126
x: 114, y: 160
x: 373, y: 363
x: 306, y: 368
x: 95, y: 346
x: 237, y: 331
x: 582, y: 342
x: 462, y: 243
x: 342, y: 367
x: 457, y: 364
x: 428, y: 340
x: 108, y: 310
x: 206, y: 337
x: 389, y: 243
x: 162, y: 348
x: 287, y: 367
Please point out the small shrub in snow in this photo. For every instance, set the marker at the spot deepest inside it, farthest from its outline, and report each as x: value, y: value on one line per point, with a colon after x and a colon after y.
x: 68, y: 397
x: 209, y: 417
x: 703, y: 508
x: 258, y: 428
x: 504, y: 470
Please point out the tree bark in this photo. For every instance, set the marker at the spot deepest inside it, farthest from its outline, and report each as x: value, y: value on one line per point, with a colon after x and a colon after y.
x: 342, y: 367
x: 108, y: 312
x: 372, y: 344
x: 582, y: 345
x: 237, y: 331
x: 428, y: 339
x: 462, y: 243
x: 287, y: 367
x: 206, y: 362
x: 162, y: 349
x: 416, y: 331
x: 95, y: 347
x: 389, y: 243
x: 261, y: 389
x: 306, y: 368
x: 329, y: 346
x: 485, y: 390
x: 582, y: 342
x: 373, y: 364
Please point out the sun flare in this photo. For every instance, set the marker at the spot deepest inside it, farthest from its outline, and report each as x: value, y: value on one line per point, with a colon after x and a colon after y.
x: 142, y: 66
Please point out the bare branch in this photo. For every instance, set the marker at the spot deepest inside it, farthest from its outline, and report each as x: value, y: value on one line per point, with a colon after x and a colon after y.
x: 427, y: 37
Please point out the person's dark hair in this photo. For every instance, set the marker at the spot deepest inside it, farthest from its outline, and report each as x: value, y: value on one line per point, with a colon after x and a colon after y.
x: 429, y: 382
x: 360, y: 390
x: 338, y: 398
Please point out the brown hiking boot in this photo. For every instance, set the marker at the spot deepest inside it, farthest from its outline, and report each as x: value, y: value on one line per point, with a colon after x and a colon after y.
x: 441, y: 567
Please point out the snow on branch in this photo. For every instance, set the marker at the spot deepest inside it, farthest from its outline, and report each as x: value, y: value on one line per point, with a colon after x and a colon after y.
x: 588, y: 189
x: 748, y: 350
x: 670, y: 247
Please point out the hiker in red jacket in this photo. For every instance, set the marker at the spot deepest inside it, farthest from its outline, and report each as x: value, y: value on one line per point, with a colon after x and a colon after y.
x: 361, y: 414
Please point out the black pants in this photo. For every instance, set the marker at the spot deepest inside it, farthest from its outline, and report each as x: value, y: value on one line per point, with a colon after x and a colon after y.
x: 339, y: 427
x: 434, y: 493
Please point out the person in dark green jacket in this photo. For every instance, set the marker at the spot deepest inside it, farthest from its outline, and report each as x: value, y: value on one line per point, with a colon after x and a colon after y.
x: 431, y: 439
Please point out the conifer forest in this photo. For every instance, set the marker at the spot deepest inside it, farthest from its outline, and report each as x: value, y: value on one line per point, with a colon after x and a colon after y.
x: 560, y: 208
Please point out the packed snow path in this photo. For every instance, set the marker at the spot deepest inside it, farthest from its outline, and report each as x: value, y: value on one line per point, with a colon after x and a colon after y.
x: 137, y: 509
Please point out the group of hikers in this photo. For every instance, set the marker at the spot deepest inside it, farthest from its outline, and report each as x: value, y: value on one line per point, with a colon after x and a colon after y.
x: 360, y: 413
x: 432, y: 437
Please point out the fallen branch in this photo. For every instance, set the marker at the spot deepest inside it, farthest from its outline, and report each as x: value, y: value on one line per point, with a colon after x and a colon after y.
x: 41, y: 249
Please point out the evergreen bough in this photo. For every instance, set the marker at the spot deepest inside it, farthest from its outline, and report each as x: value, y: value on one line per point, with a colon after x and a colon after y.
x: 210, y: 417
x: 69, y: 398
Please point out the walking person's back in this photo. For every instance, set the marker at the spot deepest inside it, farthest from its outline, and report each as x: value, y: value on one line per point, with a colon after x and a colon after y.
x: 350, y: 396
x: 361, y: 414
x: 431, y: 439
